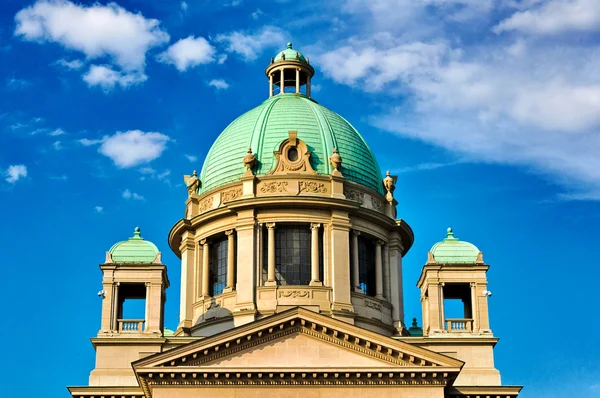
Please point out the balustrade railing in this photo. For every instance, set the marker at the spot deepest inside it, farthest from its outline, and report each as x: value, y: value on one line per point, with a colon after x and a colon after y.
x: 458, y: 325
x: 131, y: 325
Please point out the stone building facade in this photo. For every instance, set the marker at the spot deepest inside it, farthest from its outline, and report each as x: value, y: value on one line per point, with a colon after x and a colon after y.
x: 291, y: 275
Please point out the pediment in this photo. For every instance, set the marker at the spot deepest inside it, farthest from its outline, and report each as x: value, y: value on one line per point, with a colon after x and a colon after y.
x: 286, y: 347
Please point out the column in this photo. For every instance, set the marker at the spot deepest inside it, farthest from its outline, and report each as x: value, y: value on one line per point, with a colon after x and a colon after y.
x: 386, y: 272
x: 282, y: 83
x: 148, y: 307
x: 230, y: 261
x: 297, y: 81
x: 115, y: 313
x: 205, y: 268
x: 473, y: 309
x: 441, y: 304
x: 270, y: 85
x: 245, y: 274
x: 355, y: 265
x: 395, y: 250
x: 378, y: 270
x: 271, y: 255
x: 341, y: 306
x: 315, y: 279
x: 308, y: 86
x: 188, y: 258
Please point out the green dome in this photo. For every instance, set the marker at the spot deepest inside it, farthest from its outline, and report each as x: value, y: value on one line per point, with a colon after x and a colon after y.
x: 266, y: 126
x: 134, y: 250
x: 454, y: 251
x: 289, y: 54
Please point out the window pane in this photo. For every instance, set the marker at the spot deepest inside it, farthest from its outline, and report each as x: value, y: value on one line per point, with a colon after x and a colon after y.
x: 218, y: 266
x: 292, y: 257
x: 366, y: 266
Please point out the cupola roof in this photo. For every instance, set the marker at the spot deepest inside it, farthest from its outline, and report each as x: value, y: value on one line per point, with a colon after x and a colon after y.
x: 134, y: 250
x: 289, y: 54
x: 454, y: 251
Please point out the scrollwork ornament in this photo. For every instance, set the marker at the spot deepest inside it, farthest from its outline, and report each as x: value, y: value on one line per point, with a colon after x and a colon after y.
x: 312, y: 187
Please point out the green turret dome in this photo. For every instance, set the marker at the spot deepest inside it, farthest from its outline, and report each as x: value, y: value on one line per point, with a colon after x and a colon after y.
x: 289, y: 54
x: 454, y: 251
x: 266, y: 126
x: 134, y: 250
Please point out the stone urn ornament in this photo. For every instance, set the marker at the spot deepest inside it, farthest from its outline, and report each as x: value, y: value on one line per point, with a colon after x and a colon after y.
x: 335, y: 160
x: 249, y: 161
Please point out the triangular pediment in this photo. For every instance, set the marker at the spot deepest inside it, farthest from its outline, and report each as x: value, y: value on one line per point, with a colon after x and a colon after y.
x: 291, y: 345
x: 297, y: 350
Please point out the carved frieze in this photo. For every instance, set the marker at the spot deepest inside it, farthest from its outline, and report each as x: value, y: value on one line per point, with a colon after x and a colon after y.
x: 353, y: 194
x: 312, y: 187
x: 377, y: 204
x: 294, y: 293
x: 373, y: 304
x: 274, y: 187
x: 231, y: 194
x: 206, y: 204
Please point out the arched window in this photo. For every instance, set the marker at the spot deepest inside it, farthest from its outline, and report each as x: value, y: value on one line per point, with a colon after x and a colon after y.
x: 366, y: 265
x: 218, y: 266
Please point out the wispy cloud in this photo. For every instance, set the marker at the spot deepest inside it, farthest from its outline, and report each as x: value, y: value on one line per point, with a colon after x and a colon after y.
x: 127, y: 194
x: 99, y: 209
x: 219, y: 84
x: 75, y: 64
x: 56, y: 132
x: 249, y: 45
x: 107, y: 78
x: 191, y: 158
x: 13, y: 83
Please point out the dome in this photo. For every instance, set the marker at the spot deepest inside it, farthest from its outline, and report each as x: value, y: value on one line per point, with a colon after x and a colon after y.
x: 134, y: 250
x: 454, y: 251
x: 289, y: 54
x: 266, y: 126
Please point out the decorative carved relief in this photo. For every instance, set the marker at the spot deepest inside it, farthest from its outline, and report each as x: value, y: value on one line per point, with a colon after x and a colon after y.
x: 372, y: 304
x: 206, y: 204
x: 294, y: 293
x: 352, y: 194
x: 231, y: 194
x: 274, y: 187
x: 292, y: 156
x: 312, y: 187
x: 377, y: 204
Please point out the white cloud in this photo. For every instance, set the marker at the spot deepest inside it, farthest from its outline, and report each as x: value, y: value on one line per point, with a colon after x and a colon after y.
x: 57, y: 146
x: 219, y: 84
x: 62, y: 177
x: 184, y: 6
x: 15, y: 172
x: 191, y: 158
x: 554, y: 17
x: 187, y: 53
x: 96, y: 31
x: 75, y: 64
x: 99, y: 209
x: 221, y: 59
x: 134, y: 147
x: 107, y: 78
x: 127, y: 194
x: 56, y: 132
x: 250, y: 45
x: 525, y: 101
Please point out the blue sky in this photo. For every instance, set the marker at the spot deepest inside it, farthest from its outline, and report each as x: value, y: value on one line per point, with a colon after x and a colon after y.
x: 488, y: 111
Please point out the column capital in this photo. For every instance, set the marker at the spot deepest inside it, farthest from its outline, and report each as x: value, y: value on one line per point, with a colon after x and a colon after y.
x: 379, y: 242
x: 204, y: 242
x: 355, y: 232
x: 315, y: 226
x: 270, y: 225
x: 229, y: 232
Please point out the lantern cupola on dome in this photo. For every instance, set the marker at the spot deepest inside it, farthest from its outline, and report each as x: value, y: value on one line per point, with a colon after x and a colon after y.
x: 290, y: 70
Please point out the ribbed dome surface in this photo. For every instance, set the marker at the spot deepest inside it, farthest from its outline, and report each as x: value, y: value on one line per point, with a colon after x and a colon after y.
x: 266, y: 126
x: 134, y: 250
x: 454, y: 251
x: 289, y: 54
